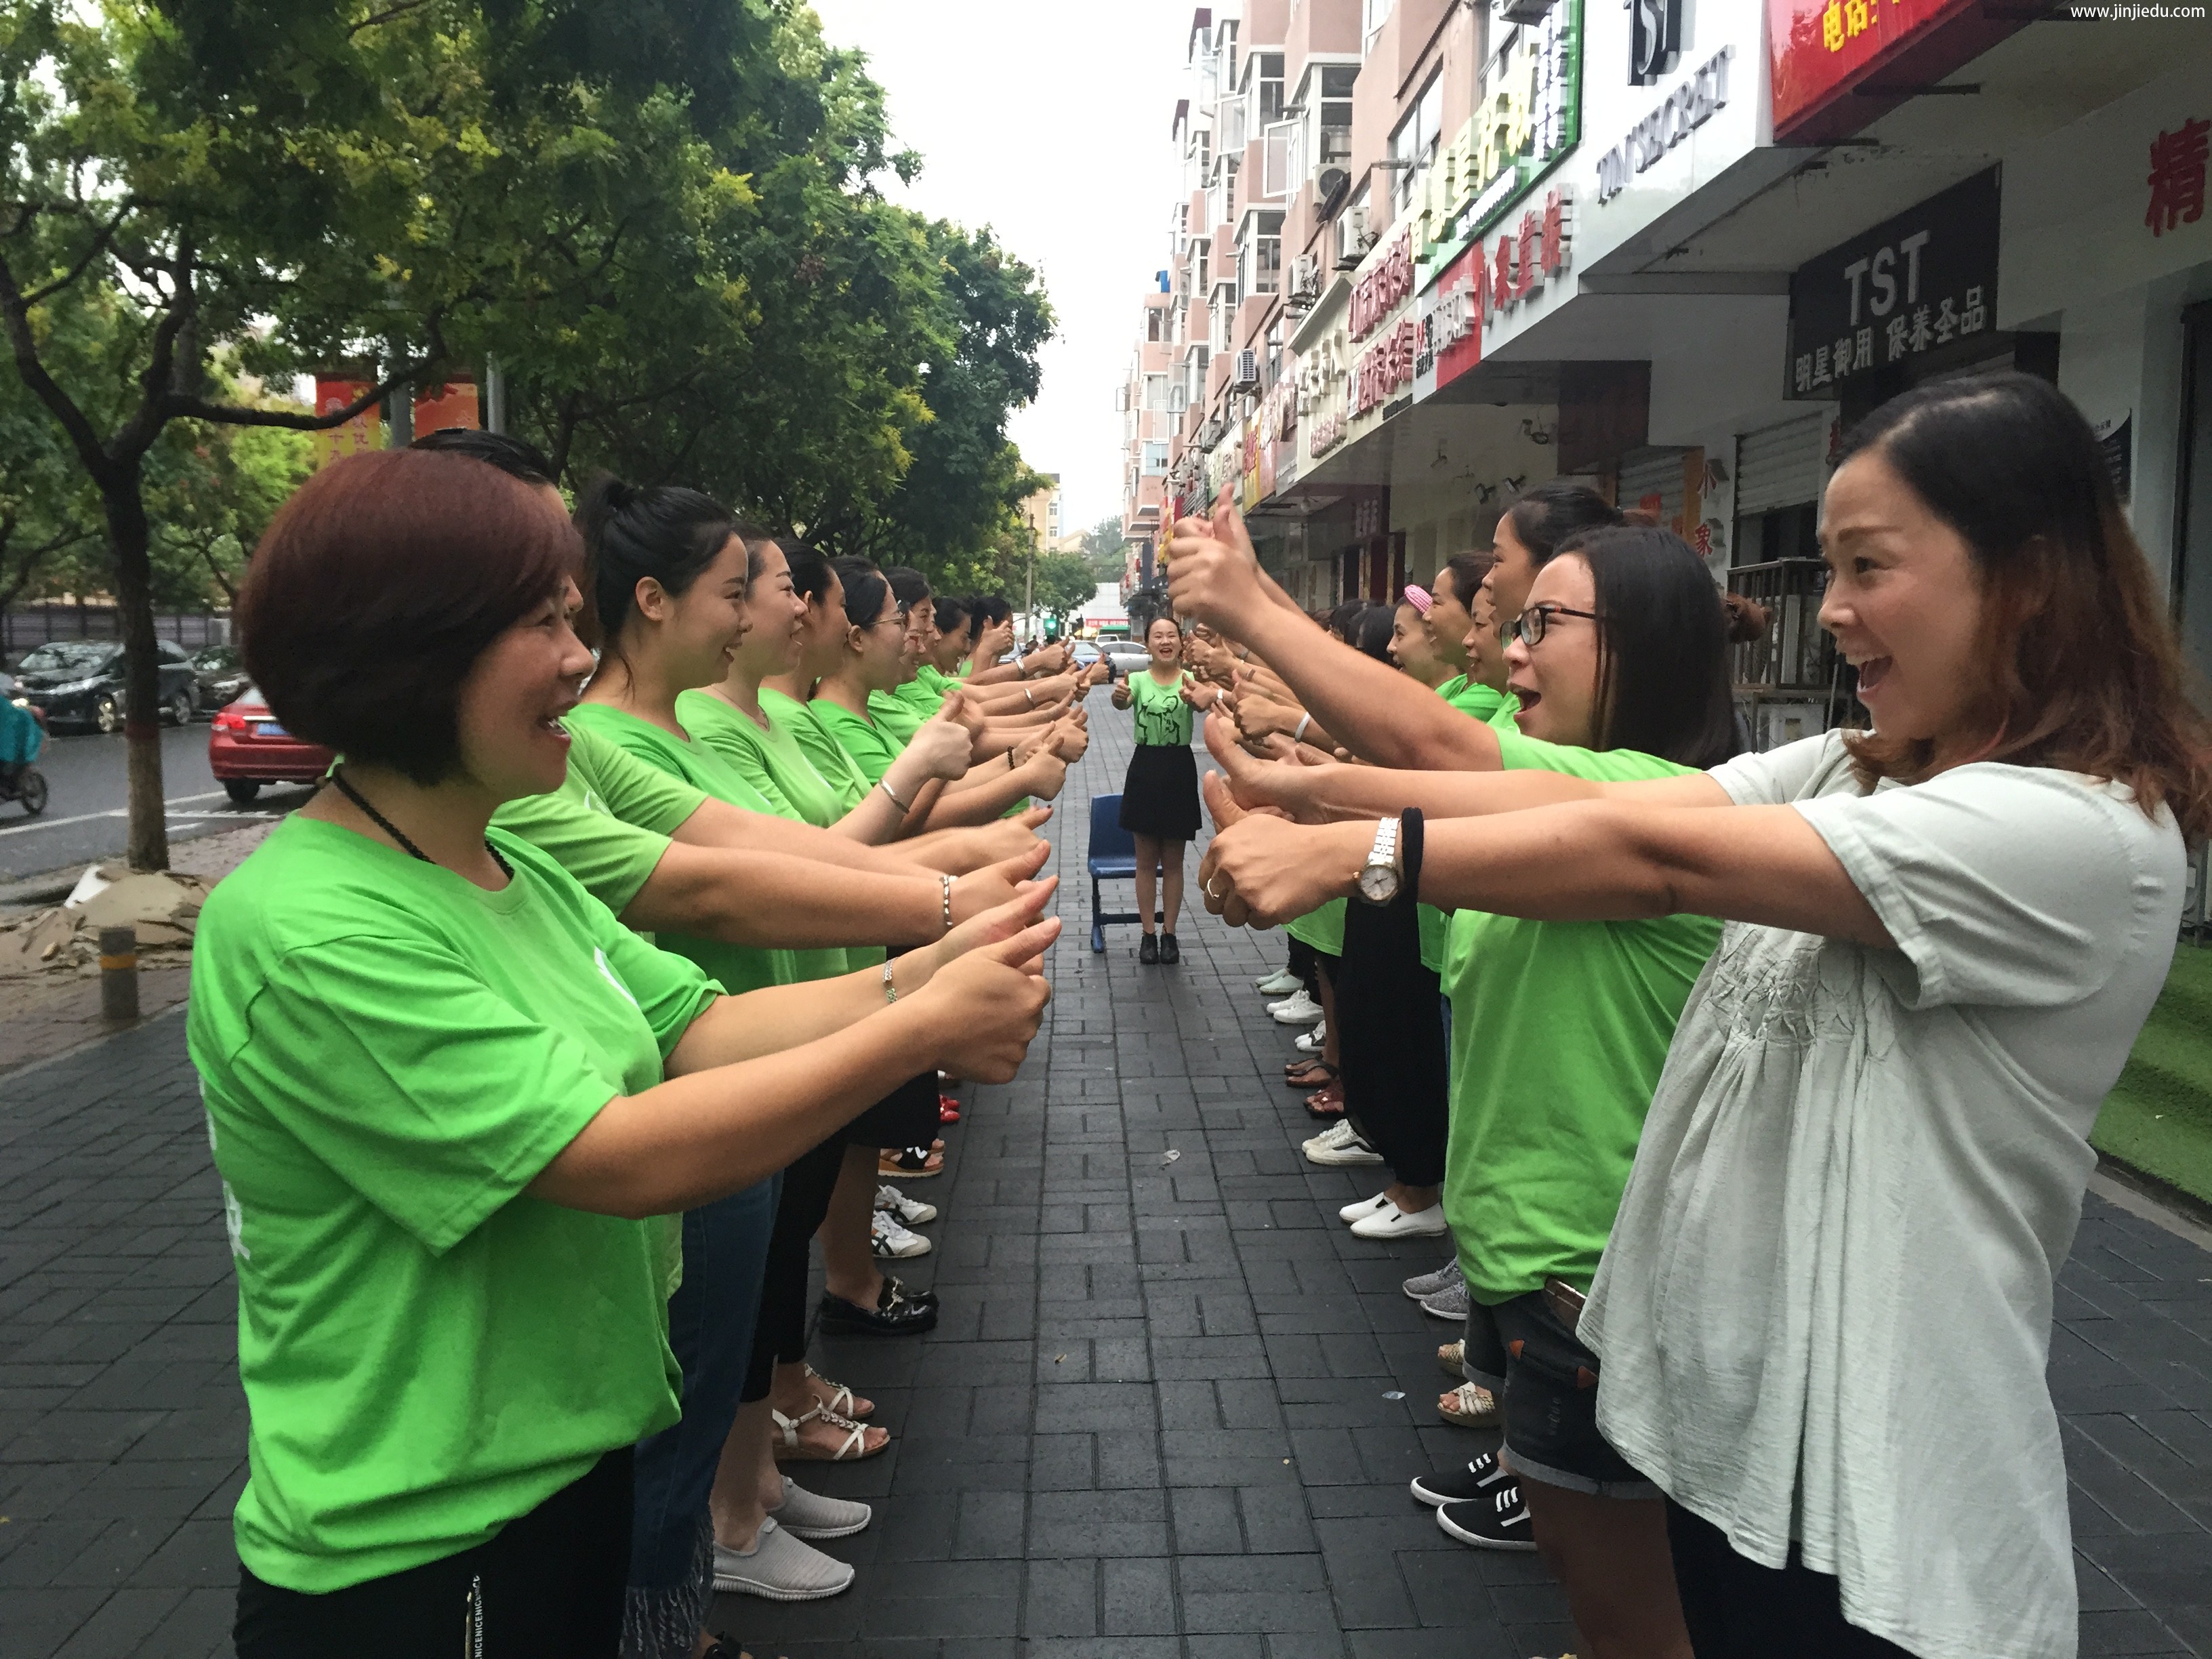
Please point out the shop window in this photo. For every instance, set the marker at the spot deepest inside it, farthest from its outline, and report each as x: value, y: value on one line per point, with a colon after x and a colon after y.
x: 1781, y: 532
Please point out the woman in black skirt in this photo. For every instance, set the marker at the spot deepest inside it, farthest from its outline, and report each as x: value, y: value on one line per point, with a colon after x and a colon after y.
x: 1159, y: 798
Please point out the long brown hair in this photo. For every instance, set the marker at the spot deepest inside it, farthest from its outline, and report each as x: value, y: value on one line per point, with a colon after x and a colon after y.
x: 2079, y: 659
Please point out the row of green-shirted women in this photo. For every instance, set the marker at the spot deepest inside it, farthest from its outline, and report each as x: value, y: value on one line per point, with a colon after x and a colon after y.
x: 537, y: 1047
x: 1771, y: 1075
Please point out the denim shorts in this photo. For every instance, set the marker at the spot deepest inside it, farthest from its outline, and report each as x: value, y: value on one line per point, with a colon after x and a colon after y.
x: 1546, y: 1381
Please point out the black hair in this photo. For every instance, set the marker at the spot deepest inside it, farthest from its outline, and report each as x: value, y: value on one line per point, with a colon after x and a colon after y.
x: 978, y: 618
x: 992, y: 607
x: 1544, y: 518
x: 866, y: 591
x: 1663, y: 638
x: 511, y: 456
x: 1467, y: 571
x: 809, y: 568
x: 754, y: 534
x: 1342, y: 620
x: 952, y: 615
x: 666, y: 532
x: 909, y: 586
x: 1370, y: 634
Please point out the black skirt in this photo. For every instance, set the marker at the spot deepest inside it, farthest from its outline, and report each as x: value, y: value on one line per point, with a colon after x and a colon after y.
x: 1159, y: 796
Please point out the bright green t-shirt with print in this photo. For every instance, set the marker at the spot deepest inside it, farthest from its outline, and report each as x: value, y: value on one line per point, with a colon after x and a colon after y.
x: 769, y: 759
x: 389, y: 1055
x: 871, y: 742
x: 738, y: 967
x: 609, y: 822
x: 803, y: 720
x: 1560, y: 1030
x: 1163, y: 718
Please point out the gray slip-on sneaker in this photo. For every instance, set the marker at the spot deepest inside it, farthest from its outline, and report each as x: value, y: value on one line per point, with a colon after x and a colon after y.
x: 804, y: 1514
x: 780, y: 1567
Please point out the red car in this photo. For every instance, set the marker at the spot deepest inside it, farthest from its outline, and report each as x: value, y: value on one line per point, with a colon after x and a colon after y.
x: 246, y: 748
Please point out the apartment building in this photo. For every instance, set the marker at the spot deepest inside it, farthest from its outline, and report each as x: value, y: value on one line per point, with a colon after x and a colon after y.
x: 1429, y: 253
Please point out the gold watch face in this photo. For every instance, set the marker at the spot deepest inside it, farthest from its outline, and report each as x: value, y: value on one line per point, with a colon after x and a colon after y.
x: 1379, y: 884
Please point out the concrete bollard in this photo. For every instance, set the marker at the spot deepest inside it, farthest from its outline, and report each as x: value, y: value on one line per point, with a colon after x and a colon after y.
x: 118, y: 973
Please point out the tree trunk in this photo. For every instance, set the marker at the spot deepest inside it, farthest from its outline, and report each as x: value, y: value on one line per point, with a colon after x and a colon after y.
x: 127, y: 538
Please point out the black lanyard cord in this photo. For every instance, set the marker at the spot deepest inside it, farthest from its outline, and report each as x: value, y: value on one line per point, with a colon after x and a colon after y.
x: 396, y: 834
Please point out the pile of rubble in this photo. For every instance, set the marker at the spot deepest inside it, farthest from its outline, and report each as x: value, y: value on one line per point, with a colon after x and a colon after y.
x: 164, y: 906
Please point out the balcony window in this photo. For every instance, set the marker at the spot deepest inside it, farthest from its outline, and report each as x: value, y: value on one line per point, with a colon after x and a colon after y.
x: 1156, y: 460
x: 1415, y: 144
x: 1156, y: 392
x: 1266, y: 90
x: 1156, y: 324
x: 1373, y: 14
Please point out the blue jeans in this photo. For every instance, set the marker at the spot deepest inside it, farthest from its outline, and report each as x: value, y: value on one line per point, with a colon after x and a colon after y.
x: 710, y: 1329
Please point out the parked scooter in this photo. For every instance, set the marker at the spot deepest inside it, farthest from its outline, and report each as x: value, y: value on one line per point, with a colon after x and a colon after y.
x: 22, y: 735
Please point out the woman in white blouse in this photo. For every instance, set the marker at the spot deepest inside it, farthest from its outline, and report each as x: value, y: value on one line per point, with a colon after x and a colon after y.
x: 1824, y: 1308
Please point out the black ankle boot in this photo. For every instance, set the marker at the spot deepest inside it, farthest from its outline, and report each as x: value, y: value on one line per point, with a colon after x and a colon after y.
x: 1148, y: 951
x: 1170, y: 951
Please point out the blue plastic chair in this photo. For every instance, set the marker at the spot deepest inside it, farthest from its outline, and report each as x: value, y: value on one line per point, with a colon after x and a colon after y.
x: 1112, y: 857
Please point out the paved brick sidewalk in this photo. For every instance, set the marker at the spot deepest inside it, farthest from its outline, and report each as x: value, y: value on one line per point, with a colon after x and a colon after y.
x: 1153, y: 1423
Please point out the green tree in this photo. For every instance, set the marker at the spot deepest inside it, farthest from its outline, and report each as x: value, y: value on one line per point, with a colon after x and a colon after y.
x: 1064, y: 583
x: 1103, y: 546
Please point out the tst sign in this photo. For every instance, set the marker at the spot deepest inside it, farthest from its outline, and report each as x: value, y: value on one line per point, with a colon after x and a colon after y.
x: 1876, y: 278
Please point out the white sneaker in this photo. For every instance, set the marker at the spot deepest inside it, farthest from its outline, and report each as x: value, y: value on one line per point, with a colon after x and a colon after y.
x: 1280, y: 983
x: 780, y: 1567
x: 1391, y: 1222
x: 910, y: 1212
x: 1299, y: 1010
x: 1314, y: 1041
x: 887, y: 1238
x: 1336, y: 1135
x: 1360, y: 1209
x: 804, y: 1514
x: 1351, y: 1150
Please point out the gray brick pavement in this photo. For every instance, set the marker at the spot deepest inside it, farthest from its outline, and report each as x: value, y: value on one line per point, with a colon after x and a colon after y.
x: 1151, y: 1425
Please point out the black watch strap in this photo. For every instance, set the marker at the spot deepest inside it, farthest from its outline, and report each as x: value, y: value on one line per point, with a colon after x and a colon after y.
x: 1409, y: 852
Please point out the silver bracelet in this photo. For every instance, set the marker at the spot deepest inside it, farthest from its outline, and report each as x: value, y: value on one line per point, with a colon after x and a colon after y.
x: 1299, y: 735
x: 884, y: 784
x: 891, y: 990
x: 947, y: 880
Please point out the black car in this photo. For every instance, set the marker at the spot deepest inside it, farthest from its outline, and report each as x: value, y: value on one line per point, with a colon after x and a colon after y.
x: 220, y: 677
x: 80, y: 683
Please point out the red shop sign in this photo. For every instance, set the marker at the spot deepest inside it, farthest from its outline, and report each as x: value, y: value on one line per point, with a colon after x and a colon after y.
x: 1386, y: 286
x: 1836, y: 59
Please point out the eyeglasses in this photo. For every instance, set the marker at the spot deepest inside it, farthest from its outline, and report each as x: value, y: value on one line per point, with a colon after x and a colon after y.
x: 1528, y: 628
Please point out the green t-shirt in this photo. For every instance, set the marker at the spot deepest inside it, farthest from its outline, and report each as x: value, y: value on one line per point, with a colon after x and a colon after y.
x: 773, y: 762
x: 871, y: 742
x: 1473, y: 698
x: 1163, y: 718
x: 1323, y: 929
x: 929, y: 687
x: 738, y: 967
x: 389, y: 1055
x: 819, y: 745
x: 609, y: 822
x: 1560, y: 1030
x: 898, y: 713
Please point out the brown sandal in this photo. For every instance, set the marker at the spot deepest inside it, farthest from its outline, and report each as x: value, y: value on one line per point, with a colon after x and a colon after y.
x: 1310, y: 1075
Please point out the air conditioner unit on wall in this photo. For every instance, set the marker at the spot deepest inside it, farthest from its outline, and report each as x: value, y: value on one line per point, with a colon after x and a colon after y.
x: 1247, y: 371
x: 1305, y: 277
x: 1352, y: 241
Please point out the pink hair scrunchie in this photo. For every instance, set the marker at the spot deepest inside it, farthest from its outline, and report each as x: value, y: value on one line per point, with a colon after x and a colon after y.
x: 1419, y: 599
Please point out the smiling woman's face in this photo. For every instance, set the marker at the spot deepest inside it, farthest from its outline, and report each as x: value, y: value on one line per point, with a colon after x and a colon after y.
x: 697, y: 631
x: 778, y: 616
x: 514, y: 695
x: 1448, y: 621
x: 1905, y: 602
x: 1556, y: 681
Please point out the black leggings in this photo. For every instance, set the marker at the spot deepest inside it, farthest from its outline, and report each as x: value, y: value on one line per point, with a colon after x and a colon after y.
x: 1737, y: 1609
x: 548, y: 1586
x: 780, y: 1332
x: 1390, y: 1040
x: 1304, y: 963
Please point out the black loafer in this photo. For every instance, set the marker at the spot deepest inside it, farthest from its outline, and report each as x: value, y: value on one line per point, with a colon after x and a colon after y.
x: 897, y: 1312
x: 1148, y: 950
x: 1169, y: 950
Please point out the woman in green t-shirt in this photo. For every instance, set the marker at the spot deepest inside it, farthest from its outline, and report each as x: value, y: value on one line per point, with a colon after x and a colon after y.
x: 1559, y: 1032
x: 1159, y: 796
x: 446, y: 1089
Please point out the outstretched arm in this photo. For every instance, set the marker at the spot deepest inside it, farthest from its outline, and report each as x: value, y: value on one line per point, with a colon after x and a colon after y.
x: 1371, y: 708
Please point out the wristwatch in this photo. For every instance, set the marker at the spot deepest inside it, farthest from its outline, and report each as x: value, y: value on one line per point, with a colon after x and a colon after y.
x: 1380, y: 876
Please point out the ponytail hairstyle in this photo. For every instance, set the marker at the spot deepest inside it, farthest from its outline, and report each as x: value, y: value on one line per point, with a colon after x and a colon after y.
x: 810, y: 570
x: 867, y: 593
x: 1545, y: 518
x: 668, y: 534
x: 1467, y: 570
x: 908, y: 587
x: 2079, y: 666
x: 953, y: 615
x: 1663, y: 685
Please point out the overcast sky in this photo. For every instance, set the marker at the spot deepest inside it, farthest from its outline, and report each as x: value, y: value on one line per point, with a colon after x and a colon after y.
x: 1048, y: 122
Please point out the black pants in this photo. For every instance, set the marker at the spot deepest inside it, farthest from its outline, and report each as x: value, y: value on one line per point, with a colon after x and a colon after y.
x: 549, y: 1586
x: 1737, y: 1609
x: 1303, y: 963
x: 780, y: 1332
x: 1390, y: 1040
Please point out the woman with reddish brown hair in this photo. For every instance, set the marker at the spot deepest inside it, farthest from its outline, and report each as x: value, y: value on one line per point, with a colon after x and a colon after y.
x: 1824, y: 1311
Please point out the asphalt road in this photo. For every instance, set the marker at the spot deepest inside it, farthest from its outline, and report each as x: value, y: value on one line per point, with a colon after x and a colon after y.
x: 84, y: 822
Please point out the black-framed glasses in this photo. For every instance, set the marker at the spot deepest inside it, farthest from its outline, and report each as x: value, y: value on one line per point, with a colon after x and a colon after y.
x: 1529, y: 627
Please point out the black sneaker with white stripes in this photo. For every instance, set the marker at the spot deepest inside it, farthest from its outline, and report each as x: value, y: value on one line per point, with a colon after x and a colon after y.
x: 1477, y: 1479
x: 1498, y: 1520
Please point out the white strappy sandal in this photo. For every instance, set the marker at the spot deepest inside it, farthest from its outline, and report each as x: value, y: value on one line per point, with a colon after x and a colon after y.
x: 840, y: 1401
x: 853, y: 1448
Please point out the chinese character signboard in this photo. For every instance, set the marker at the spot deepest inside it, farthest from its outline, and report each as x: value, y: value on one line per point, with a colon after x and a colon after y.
x: 1911, y: 285
x: 1451, y: 327
x: 2177, y: 176
x: 364, y: 431
x: 1833, y: 59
